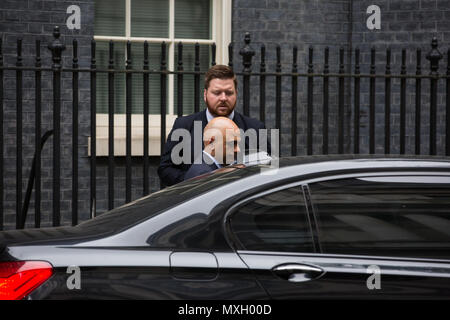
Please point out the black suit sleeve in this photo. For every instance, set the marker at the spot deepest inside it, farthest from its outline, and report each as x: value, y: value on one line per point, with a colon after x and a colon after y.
x: 168, y: 172
x: 198, y: 169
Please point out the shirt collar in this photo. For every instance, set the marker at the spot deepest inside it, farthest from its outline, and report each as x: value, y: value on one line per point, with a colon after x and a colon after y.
x: 213, y: 159
x: 209, y: 116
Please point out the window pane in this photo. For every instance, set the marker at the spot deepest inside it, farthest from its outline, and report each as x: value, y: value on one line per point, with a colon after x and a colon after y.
x: 154, y: 56
x: 150, y: 18
x: 193, y: 19
x: 369, y: 216
x: 137, y: 60
x: 188, y: 80
x: 109, y: 18
x: 102, y: 57
x: 275, y: 222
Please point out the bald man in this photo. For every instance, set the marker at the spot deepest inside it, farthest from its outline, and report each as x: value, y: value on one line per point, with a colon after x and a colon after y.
x: 221, y: 138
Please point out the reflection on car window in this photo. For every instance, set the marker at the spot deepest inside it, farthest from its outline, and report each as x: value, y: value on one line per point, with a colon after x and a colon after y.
x: 391, y: 216
x: 157, y: 202
x: 274, y: 222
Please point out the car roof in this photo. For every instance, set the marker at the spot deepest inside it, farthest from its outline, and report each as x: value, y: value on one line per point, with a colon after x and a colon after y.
x: 376, y: 158
x: 303, y: 166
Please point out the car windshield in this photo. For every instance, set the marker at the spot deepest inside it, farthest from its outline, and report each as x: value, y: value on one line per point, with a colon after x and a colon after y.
x: 149, y: 206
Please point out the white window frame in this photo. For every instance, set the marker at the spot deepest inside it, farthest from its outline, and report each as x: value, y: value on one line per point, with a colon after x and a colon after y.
x: 221, y: 21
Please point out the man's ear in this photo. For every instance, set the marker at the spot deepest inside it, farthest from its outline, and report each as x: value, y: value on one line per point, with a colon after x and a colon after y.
x: 211, y: 140
x: 204, y: 94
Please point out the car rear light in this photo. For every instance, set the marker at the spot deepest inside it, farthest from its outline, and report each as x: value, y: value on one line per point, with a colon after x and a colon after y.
x: 18, y: 279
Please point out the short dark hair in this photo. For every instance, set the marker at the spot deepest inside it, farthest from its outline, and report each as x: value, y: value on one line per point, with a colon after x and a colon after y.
x: 220, y: 71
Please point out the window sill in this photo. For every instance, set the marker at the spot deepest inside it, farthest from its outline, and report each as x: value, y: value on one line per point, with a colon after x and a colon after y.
x: 137, y: 135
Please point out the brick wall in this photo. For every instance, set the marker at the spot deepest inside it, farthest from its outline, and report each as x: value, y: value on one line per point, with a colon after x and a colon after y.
x: 302, y: 23
x: 32, y: 20
x: 406, y: 24
x: 409, y: 24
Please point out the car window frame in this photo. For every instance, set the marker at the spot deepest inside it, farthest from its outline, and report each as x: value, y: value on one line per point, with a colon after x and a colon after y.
x: 399, y: 172
x: 233, y: 240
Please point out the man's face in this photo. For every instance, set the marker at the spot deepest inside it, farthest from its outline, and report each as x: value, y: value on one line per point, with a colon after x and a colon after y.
x: 220, y: 97
x: 231, y: 145
x: 223, y: 144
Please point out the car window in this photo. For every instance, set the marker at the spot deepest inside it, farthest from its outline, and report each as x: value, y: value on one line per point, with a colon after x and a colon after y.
x: 392, y: 216
x: 273, y: 222
x: 157, y: 202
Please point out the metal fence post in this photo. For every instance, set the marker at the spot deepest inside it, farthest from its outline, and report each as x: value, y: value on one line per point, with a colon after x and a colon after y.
x: 310, y: 100
x: 163, y: 87
x: 111, y: 104
x: 357, y: 102
x: 75, y: 108
x: 37, y: 138
x: 1, y: 135
x: 326, y: 87
x: 128, y: 129
x: 197, y: 78
x: 93, y: 172
x: 262, y: 86
x: 447, y: 108
x: 56, y: 48
x: 294, y: 82
x: 341, y: 84
x: 19, y: 148
x: 418, y: 100
x: 247, y: 54
x: 387, y: 104
x: 434, y: 56
x: 146, y: 116
x: 403, y: 104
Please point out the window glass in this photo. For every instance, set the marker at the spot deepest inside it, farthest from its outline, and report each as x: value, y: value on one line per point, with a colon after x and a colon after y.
x: 274, y: 222
x: 390, y: 216
x: 188, y: 28
x: 102, y: 58
x: 154, y: 57
x: 188, y: 79
x: 137, y: 58
x: 150, y: 18
x: 109, y: 17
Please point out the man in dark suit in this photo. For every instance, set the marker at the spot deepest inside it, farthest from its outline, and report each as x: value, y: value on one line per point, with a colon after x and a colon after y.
x: 221, y: 139
x: 220, y: 97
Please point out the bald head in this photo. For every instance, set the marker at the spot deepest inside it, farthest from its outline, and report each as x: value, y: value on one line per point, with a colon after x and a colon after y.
x: 221, y: 137
x: 221, y: 124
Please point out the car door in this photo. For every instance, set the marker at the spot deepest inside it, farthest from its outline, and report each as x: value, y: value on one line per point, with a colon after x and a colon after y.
x: 392, y: 232
x: 272, y: 234
x: 382, y: 257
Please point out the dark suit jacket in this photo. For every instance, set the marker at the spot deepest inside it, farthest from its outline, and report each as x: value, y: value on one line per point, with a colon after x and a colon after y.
x: 168, y: 172
x: 198, y: 169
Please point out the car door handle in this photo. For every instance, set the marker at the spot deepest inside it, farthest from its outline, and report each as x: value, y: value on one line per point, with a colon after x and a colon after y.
x: 294, y: 272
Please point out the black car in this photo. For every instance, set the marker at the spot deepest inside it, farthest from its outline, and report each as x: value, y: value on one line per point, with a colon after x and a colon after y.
x: 325, y: 227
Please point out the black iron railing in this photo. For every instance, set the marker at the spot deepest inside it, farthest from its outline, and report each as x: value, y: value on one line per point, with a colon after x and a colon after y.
x: 313, y: 77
